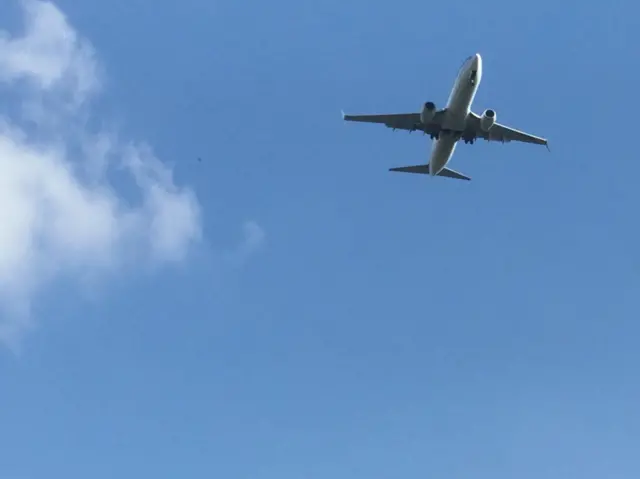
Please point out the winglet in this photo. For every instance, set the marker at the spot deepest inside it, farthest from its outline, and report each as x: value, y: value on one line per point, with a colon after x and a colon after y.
x: 547, y: 145
x: 343, y: 114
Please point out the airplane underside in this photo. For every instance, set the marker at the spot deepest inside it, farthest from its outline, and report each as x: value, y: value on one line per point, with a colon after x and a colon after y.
x: 456, y: 126
x: 467, y: 138
x: 456, y: 121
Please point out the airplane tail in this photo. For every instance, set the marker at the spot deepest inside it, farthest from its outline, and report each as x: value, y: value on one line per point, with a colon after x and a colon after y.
x: 424, y: 170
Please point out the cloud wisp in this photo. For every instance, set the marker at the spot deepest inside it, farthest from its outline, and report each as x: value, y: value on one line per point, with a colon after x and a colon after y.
x: 60, y: 215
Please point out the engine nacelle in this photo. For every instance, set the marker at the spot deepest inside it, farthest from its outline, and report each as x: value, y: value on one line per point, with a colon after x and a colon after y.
x: 427, y: 113
x: 487, y: 120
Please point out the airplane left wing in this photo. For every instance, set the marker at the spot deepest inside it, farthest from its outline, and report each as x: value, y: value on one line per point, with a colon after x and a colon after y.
x: 503, y: 133
x: 400, y: 121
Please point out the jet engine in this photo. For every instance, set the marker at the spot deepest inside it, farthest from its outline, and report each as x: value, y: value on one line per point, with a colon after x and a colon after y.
x: 487, y: 120
x: 427, y: 113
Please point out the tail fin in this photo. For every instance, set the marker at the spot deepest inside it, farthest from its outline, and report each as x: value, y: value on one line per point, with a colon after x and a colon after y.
x: 424, y: 170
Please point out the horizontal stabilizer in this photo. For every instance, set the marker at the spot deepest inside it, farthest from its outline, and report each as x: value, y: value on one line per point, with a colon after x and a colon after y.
x: 424, y: 170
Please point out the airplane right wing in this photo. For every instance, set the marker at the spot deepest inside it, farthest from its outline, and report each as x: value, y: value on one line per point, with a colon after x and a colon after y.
x: 505, y: 133
x: 400, y: 121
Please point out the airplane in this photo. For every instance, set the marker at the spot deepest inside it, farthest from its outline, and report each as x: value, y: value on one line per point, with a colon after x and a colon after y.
x: 454, y: 122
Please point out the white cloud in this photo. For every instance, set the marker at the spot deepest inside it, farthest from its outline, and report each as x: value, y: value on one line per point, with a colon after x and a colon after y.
x: 59, y: 215
x: 253, y: 238
x: 49, y: 53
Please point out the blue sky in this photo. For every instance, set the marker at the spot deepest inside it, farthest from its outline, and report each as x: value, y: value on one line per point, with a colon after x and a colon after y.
x: 288, y: 308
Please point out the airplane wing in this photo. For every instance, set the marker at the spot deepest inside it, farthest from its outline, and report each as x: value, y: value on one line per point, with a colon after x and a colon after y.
x: 503, y: 133
x: 400, y: 121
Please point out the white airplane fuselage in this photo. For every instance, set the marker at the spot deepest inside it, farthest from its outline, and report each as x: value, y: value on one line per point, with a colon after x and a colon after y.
x: 457, y: 109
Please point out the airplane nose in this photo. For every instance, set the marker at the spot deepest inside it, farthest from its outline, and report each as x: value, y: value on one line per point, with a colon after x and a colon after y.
x: 477, y: 60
